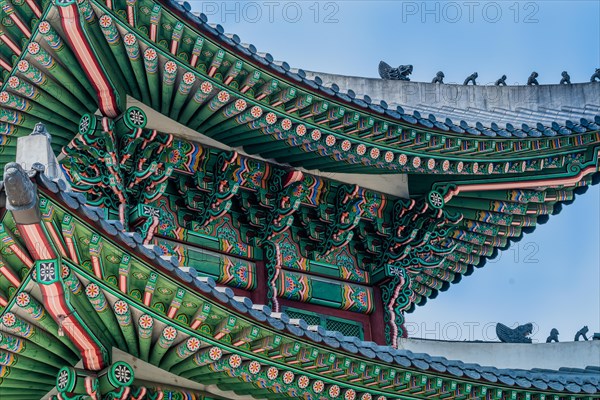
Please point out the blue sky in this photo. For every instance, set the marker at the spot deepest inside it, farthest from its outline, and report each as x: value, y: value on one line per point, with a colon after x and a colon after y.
x: 552, y: 277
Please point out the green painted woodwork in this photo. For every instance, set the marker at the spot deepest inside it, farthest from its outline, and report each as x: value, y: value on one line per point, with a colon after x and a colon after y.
x: 236, y: 353
x: 298, y: 224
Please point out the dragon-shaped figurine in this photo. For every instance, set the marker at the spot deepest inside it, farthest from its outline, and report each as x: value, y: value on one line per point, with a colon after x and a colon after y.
x: 516, y: 335
x: 595, y: 76
x: 501, y: 81
x: 566, y: 78
x: 395, y: 74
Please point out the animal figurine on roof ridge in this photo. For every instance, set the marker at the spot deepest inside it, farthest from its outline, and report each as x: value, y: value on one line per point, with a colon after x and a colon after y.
x: 553, y: 336
x: 517, y: 335
x: 439, y: 77
x: 401, y: 73
x: 566, y: 78
x: 532, y: 80
x: 582, y: 332
x: 471, y: 78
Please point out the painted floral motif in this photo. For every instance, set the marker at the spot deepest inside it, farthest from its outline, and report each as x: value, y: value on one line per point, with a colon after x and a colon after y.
x: 206, y: 87
x: 254, y: 367
x: 416, y: 162
x: 330, y: 140
x: 271, y: 118
x: 289, y: 255
x: 389, y: 156
x: 346, y: 145
x: 366, y: 396
x: 431, y: 163
x: 256, y: 111
x: 192, y: 344
x: 169, y: 333
x: 23, y: 299
x: 350, y: 394
x: 235, y: 361
x: 105, y: 21
x: 303, y: 382
x: 374, y: 153
x: 237, y: 273
x: 301, y: 130
x: 189, y: 78
x: 334, y: 391
x: 129, y: 39
x: 356, y: 298
x: 240, y: 104
x: 318, y: 386
x: 286, y: 124
x: 215, y: 353
x: 446, y: 165
x: 150, y: 54
x: 92, y: 290
x: 229, y: 240
x: 33, y: 48
x: 146, y: 321
x: 294, y: 286
x: 121, y: 308
x: 223, y: 96
x: 44, y: 27
x: 9, y: 319
x: 361, y: 149
x: 315, y: 134
x: 288, y: 377
x: 272, y: 373
x: 460, y: 166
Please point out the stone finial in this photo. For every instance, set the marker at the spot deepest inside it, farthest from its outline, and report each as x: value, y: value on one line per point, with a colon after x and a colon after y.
x: 40, y: 129
x: 471, y: 78
x: 582, y: 332
x: 553, y: 336
x: 595, y: 76
x: 501, y: 81
x: 439, y: 77
x: 566, y: 79
x: 531, y: 81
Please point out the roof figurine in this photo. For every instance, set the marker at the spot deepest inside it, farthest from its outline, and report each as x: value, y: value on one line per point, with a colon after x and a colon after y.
x: 517, y: 335
x: 532, y: 80
x: 439, y: 77
x: 471, y: 78
x: 40, y: 129
x: 553, y: 336
x: 566, y: 78
x: 501, y: 81
x: 582, y: 333
x: 595, y: 76
x: 394, y: 74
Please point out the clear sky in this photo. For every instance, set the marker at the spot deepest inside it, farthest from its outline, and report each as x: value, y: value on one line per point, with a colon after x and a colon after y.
x: 551, y: 277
